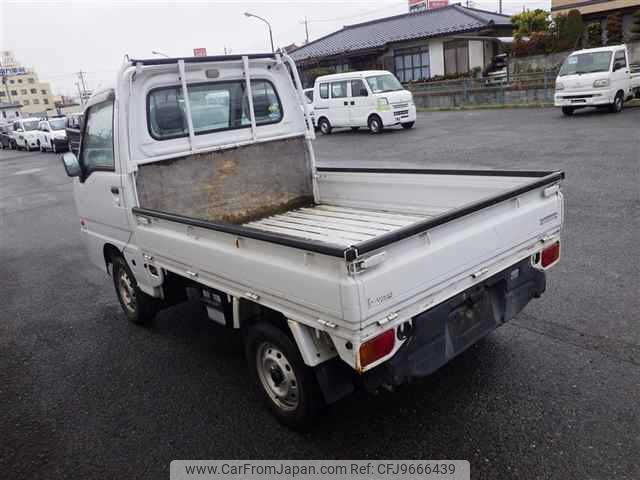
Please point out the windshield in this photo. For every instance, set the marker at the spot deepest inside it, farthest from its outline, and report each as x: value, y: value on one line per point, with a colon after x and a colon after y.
x: 586, y: 63
x: 57, y: 124
x: 384, y: 83
x: 30, y: 125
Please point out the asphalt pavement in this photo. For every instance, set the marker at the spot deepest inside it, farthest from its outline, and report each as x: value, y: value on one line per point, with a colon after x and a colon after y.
x: 554, y: 394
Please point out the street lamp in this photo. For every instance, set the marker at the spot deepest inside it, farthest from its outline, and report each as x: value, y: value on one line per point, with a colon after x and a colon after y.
x: 160, y: 53
x: 247, y: 14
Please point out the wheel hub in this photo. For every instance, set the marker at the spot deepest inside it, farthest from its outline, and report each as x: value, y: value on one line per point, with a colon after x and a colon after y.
x: 277, y: 376
x: 127, y: 291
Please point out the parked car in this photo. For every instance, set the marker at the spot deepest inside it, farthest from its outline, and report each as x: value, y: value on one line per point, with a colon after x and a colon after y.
x: 597, y: 77
x: 6, y: 136
x: 73, y: 130
x: 337, y: 277
x: 25, y: 133
x: 52, y: 135
x: 373, y: 99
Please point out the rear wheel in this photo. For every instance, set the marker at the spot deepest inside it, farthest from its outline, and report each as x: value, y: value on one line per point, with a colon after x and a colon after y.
x: 618, y: 103
x: 408, y: 125
x: 324, y: 126
x: 568, y: 111
x: 287, y: 386
x: 139, y: 307
x: 375, y: 124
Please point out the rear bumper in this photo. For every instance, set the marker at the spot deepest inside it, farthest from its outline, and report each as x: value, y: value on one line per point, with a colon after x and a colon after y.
x: 448, y: 329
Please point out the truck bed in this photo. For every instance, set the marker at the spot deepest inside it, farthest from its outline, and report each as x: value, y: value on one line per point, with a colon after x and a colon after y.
x: 336, y: 225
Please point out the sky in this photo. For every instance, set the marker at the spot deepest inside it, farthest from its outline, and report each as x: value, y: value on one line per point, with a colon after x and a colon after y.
x: 62, y: 37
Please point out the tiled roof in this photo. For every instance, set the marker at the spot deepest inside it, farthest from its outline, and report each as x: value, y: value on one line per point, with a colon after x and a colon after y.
x: 377, y: 33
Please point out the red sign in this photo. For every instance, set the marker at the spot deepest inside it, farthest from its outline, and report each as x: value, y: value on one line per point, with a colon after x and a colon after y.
x: 199, y: 52
x: 438, y: 4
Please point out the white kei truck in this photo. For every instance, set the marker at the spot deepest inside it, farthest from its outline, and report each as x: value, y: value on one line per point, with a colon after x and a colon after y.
x: 197, y: 175
x: 597, y: 77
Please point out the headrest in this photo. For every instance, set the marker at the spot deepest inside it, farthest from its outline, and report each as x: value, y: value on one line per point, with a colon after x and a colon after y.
x: 170, y: 118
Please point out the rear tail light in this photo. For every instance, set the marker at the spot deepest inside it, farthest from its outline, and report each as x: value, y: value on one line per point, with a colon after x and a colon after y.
x: 376, y: 348
x: 549, y: 256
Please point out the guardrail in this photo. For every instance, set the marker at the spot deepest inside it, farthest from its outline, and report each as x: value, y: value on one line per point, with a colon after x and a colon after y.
x: 536, y: 87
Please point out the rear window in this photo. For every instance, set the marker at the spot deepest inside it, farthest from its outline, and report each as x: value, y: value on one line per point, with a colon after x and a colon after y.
x: 214, y: 107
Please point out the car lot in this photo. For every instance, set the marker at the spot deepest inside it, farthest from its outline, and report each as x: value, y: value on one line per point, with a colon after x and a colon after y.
x: 553, y: 394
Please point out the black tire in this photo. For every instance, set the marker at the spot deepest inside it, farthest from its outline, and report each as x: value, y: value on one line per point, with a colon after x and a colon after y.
x: 618, y: 103
x: 277, y: 368
x: 355, y: 129
x: 567, y: 111
x: 408, y: 125
x: 375, y: 124
x: 138, y: 307
x: 324, y: 126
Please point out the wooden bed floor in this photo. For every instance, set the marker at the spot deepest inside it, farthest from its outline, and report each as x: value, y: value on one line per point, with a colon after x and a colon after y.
x: 342, y: 226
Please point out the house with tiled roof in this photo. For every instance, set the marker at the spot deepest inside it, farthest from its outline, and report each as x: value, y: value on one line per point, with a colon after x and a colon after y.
x: 415, y: 46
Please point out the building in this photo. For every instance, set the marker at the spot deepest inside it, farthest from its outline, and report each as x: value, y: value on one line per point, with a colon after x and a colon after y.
x: 450, y: 41
x: 419, y: 5
x: 9, y: 112
x: 21, y: 85
x: 598, y: 11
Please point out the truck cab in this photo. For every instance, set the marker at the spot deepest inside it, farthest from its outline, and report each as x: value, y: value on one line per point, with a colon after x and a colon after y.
x: 596, y: 77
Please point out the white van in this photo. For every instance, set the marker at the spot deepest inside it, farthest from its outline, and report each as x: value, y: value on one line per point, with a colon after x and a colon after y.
x: 373, y: 98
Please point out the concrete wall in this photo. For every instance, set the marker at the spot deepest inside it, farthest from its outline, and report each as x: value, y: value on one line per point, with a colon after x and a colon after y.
x: 485, y: 96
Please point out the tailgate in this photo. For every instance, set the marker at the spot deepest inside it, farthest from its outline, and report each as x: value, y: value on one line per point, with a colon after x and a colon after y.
x: 459, y: 250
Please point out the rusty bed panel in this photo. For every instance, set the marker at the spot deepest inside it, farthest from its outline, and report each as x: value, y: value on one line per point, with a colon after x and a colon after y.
x: 236, y: 186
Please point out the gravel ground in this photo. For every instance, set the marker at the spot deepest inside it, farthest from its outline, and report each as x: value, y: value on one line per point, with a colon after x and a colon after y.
x: 553, y: 394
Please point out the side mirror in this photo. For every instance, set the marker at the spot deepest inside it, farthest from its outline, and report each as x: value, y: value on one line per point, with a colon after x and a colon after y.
x: 363, y: 92
x: 71, y: 164
x: 618, y: 66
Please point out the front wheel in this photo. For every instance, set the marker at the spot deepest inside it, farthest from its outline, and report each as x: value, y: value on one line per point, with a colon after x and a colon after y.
x: 408, y: 125
x: 375, y: 124
x: 139, y: 307
x: 287, y: 386
x: 567, y: 111
x: 618, y: 103
x: 324, y: 126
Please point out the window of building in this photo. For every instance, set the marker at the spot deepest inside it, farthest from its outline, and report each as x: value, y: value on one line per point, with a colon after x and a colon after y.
x: 456, y: 57
x: 36, y: 101
x: 342, y: 67
x: 324, y: 90
x: 31, y: 80
x: 358, y: 89
x: 25, y: 102
x: 338, y: 89
x: 412, y: 64
x: 23, y: 91
x: 214, y: 106
x: 12, y: 81
x: 19, y: 80
x: 14, y: 92
x: 2, y: 94
x: 45, y: 101
x: 44, y: 92
x: 34, y: 90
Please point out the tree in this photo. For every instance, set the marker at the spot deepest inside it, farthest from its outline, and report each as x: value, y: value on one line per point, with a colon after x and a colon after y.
x: 594, y: 35
x: 574, y: 28
x: 614, y: 29
x: 635, y: 26
x: 528, y: 22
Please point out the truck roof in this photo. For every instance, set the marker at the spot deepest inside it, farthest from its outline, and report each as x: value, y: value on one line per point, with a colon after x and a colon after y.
x: 610, y: 48
x: 360, y: 74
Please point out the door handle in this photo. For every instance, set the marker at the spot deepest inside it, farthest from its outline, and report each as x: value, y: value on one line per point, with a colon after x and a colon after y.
x: 346, y: 103
x: 115, y: 190
x: 353, y: 103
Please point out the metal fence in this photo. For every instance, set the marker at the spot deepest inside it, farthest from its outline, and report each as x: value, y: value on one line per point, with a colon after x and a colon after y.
x: 536, y: 87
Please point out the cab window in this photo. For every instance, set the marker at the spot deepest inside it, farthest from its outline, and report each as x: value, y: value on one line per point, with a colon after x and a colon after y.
x: 97, y: 141
x: 620, y: 59
x: 358, y: 89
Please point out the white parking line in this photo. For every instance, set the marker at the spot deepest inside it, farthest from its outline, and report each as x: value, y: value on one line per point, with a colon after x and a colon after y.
x: 27, y: 172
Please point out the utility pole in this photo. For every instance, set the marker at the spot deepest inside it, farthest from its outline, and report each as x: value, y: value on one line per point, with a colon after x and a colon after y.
x: 80, y: 94
x: 500, y: 6
x: 84, y: 86
x: 306, y: 28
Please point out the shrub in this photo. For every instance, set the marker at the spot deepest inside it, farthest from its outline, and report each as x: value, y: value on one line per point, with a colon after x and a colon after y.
x: 614, y: 29
x: 594, y: 35
x: 530, y: 21
x: 574, y: 29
